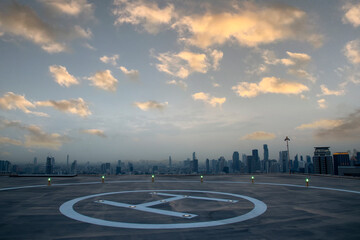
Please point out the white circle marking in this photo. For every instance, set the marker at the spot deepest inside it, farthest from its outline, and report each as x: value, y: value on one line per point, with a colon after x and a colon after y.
x: 68, y: 210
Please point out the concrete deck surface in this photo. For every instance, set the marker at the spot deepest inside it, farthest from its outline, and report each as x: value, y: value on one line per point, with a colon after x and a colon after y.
x: 293, y: 211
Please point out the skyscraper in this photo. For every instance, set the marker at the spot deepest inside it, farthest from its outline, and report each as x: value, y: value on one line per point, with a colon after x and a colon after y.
x: 118, y: 167
x: 207, y: 163
x: 340, y: 159
x: 283, y: 160
x: 170, y: 162
x: 266, y: 152
x: 266, y: 158
x: 250, y: 161
x: 194, y: 165
x: 49, y: 167
x: 296, y: 163
x: 67, y: 162
x: 255, y: 154
x: 323, y: 162
x: 236, y: 162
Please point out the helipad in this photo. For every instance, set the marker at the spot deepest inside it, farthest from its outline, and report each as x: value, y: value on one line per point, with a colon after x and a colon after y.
x: 222, y: 207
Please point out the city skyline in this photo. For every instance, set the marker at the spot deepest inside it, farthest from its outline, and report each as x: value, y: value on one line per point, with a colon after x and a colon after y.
x: 135, y: 80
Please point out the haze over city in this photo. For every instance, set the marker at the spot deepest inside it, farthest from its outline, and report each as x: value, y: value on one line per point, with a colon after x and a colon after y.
x: 143, y: 80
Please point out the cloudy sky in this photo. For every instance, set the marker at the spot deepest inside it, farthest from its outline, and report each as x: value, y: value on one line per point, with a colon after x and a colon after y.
x: 131, y: 80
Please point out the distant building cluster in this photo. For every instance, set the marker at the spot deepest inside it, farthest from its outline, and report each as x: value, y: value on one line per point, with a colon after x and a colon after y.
x: 322, y: 162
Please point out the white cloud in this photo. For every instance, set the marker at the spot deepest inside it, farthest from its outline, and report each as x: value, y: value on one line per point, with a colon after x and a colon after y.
x: 205, y: 97
x: 297, y: 63
x: 87, y: 45
x: 151, y: 105
x: 323, y: 123
x: 259, y: 135
x: 216, y: 85
x: 352, y: 14
x: 179, y: 83
x: 182, y: 64
x: 96, y: 132
x: 110, y: 60
x: 70, y: 7
x: 325, y: 91
x: 73, y: 106
x: 12, y: 101
x: 132, y: 74
x: 62, y: 76
x: 269, y: 85
x: 81, y: 32
x: 143, y: 13
x: 104, y: 80
x: 322, y: 103
x: 6, y: 140
x: 347, y: 129
x: 36, y: 137
x: 216, y: 56
x: 352, y: 51
x: 248, y: 25
x: 22, y: 21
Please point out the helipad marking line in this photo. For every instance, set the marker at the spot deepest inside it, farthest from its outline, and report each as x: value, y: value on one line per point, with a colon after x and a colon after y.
x: 149, y: 204
x: 201, y: 198
x: 147, y: 209
x: 67, y: 210
x: 165, y: 181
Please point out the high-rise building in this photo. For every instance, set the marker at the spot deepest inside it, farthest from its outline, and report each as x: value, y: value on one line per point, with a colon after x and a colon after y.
x: 67, y: 162
x: 255, y: 154
x: 35, y: 160
x: 207, y: 163
x: 130, y: 167
x: 222, y: 163
x: 283, y: 160
x: 265, y: 167
x: 323, y: 162
x: 358, y: 158
x: 250, y: 161
x: 170, y: 162
x: 5, y: 166
x: 195, y: 166
x: 243, y: 157
x: 236, y: 162
x: 73, y: 168
x: 214, y: 166
x: 296, y: 163
x: 340, y: 159
x: 266, y: 152
x: 49, y: 167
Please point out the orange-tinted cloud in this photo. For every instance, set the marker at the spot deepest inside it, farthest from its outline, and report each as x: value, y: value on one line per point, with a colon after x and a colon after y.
x: 269, y: 85
x: 323, y: 123
x: 259, y: 135
x: 96, y: 132
x: 62, y: 76
x: 352, y: 14
x: 145, y: 106
x: 149, y: 15
x: 248, y: 25
x: 104, y: 80
x: 73, y: 106
x: 205, y: 97
x: 12, y: 101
